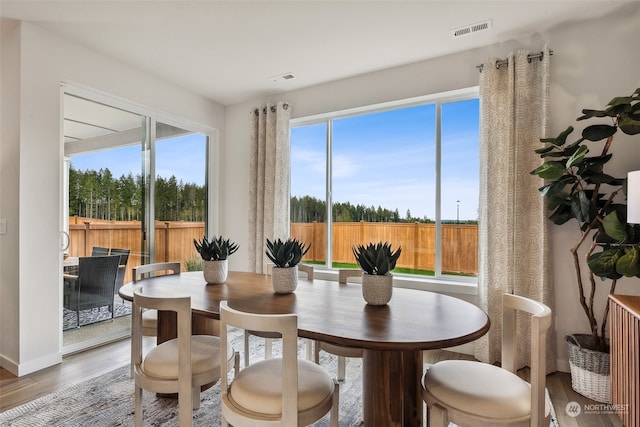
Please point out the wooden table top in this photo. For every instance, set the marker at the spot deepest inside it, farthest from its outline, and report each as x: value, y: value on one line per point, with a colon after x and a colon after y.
x: 329, y: 312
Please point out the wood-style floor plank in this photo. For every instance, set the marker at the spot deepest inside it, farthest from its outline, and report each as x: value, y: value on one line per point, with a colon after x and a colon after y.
x: 91, y: 363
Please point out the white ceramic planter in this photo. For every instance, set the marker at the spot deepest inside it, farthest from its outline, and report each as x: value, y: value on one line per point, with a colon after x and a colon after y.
x: 215, y: 272
x: 284, y: 279
x: 377, y: 289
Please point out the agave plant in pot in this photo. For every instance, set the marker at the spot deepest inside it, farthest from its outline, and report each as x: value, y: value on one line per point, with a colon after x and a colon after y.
x: 215, y: 254
x: 285, y: 256
x: 376, y: 261
x: 577, y: 187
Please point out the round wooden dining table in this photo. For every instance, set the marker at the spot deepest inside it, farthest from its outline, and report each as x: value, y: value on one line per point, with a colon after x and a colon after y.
x: 392, y: 336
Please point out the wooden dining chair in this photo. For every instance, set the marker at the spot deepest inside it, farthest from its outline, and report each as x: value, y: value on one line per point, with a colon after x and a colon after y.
x: 181, y: 365
x: 470, y: 393
x: 269, y: 337
x: 150, y: 317
x: 284, y: 391
x: 342, y: 352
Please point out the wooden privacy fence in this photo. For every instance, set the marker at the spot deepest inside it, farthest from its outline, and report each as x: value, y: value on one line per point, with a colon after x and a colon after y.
x: 174, y: 241
x: 459, y: 243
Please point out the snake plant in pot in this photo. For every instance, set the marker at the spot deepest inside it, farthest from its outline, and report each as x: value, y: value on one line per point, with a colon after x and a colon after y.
x: 578, y: 188
x: 376, y: 261
x: 215, y: 254
x: 285, y: 256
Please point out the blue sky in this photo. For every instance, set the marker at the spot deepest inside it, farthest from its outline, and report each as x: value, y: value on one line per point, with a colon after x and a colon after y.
x: 384, y: 159
x: 182, y: 156
x: 387, y: 159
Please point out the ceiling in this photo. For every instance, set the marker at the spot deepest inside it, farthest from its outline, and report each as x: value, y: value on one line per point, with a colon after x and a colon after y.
x: 228, y: 50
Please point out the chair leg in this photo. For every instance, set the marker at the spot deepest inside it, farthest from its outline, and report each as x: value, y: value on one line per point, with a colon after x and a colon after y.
x: 246, y: 349
x: 195, y: 397
x: 335, y: 406
x: 316, y: 352
x: 342, y: 367
x: 437, y: 416
x: 268, y: 348
x: 309, y: 349
x: 138, y: 407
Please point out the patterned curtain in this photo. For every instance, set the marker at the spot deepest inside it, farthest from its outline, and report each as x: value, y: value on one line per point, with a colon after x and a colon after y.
x: 268, y: 179
x: 514, y: 254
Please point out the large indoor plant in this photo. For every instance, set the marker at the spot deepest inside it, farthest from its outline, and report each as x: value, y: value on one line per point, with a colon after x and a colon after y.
x: 215, y: 254
x: 577, y: 187
x: 376, y: 261
x: 285, y: 256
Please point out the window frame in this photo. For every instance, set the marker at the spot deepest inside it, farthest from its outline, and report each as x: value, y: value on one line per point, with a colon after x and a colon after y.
x: 438, y: 282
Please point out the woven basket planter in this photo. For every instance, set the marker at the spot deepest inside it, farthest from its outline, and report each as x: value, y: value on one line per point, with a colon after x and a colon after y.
x: 590, y: 370
x: 284, y: 279
x: 377, y: 289
x: 215, y: 272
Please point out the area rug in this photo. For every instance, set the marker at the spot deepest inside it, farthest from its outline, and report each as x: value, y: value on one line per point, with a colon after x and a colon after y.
x: 87, y: 317
x: 107, y: 400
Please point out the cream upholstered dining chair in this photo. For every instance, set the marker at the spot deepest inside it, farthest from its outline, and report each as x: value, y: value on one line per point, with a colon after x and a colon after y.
x: 269, y: 337
x: 150, y: 317
x: 340, y: 351
x: 477, y: 394
x: 181, y: 365
x: 284, y: 391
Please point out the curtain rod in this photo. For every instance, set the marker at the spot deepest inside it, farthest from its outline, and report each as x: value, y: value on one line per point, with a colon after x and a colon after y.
x: 530, y: 57
x: 273, y: 109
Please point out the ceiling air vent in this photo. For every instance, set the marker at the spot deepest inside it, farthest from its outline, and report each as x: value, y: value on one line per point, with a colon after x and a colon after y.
x: 470, y: 29
x: 282, y: 77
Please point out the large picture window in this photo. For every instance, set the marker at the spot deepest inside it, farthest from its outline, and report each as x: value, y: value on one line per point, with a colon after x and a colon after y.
x: 406, y: 173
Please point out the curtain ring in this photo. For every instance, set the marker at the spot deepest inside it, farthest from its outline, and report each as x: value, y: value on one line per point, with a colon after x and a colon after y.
x: 541, y: 56
x: 497, y: 65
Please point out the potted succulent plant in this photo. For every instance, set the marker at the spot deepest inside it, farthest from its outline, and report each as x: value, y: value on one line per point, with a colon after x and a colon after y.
x: 577, y: 187
x: 376, y: 261
x: 215, y: 254
x: 285, y: 256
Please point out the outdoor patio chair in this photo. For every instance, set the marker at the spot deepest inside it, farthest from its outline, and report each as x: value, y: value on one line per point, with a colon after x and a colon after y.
x: 93, y: 286
x: 122, y: 271
x: 99, y: 251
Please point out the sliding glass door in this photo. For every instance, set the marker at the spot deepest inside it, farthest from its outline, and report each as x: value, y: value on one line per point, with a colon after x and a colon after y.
x: 135, y: 186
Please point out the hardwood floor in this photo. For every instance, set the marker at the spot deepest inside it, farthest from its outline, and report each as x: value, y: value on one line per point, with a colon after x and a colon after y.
x: 82, y: 366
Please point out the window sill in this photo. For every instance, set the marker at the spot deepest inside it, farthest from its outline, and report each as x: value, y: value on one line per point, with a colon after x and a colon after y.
x: 426, y: 284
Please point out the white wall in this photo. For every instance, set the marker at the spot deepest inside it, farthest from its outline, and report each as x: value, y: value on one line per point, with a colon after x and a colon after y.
x: 594, y: 61
x: 31, y: 259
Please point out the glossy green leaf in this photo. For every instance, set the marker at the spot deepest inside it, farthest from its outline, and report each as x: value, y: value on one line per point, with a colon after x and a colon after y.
x: 587, y: 114
x: 614, y: 228
x: 629, y: 126
x: 581, y: 207
x: 598, y: 132
x: 577, y: 157
x: 550, y: 170
x: 603, y: 264
x: 629, y: 264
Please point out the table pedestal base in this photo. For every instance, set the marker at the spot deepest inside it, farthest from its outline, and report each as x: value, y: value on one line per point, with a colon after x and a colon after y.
x: 391, y: 388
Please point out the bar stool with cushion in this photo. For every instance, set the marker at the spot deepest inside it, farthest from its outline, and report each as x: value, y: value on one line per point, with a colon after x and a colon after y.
x: 340, y: 351
x: 181, y: 365
x: 477, y: 394
x: 269, y: 337
x: 150, y: 317
x: 284, y: 391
